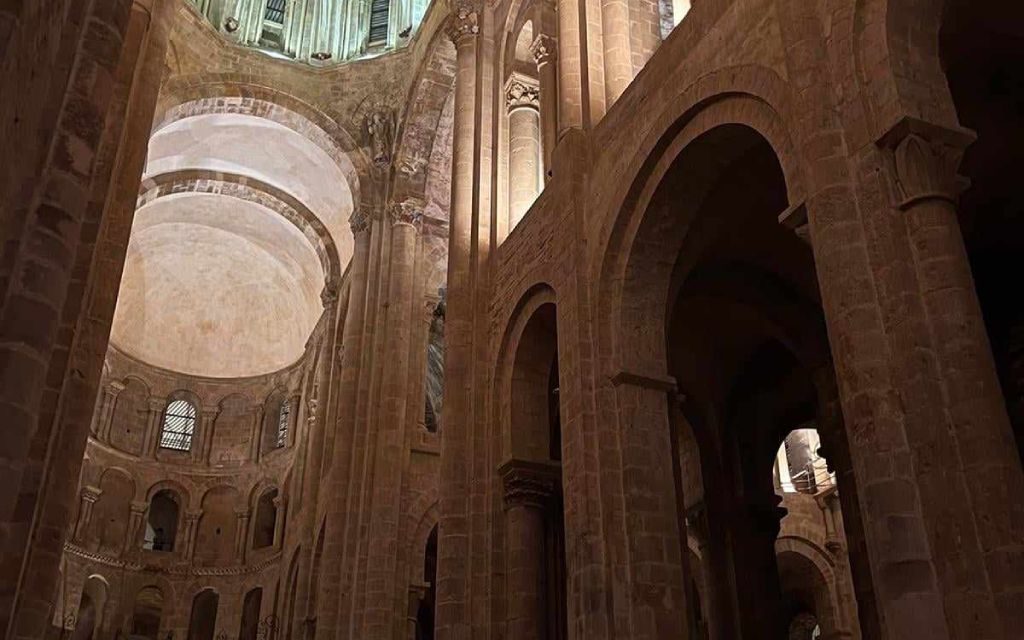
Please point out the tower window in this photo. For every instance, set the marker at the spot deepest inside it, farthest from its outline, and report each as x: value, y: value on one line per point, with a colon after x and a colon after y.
x: 179, y: 425
x: 379, y: 12
x: 282, y: 423
x: 275, y: 11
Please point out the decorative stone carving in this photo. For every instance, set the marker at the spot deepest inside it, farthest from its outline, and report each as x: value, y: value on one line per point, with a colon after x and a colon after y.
x: 462, y: 24
x: 530, y: 484
x: 409, y: 211
x: 359, y: 221
x: 543, y: 49
x: 924, y: 159
x: 521, y: 92
x: 380, y: 128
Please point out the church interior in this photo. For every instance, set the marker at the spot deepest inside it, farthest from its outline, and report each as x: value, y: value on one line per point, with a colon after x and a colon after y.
x: 511, y: 320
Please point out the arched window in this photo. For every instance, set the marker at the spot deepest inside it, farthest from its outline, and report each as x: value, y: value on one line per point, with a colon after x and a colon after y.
x: 282, y: 422
x: 179, y: 425
x: 161, y: 522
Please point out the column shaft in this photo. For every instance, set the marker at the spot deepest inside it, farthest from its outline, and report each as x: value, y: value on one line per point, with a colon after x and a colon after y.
x: 524, y: 167
x: 381, y: 589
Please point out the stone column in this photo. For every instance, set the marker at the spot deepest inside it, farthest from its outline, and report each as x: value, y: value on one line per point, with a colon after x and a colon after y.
x: 154, y: 424
x: 570, y: 66
x: 256, y: 434
x: 279, y: 519
x: 202, y: 447
x: 136, y: 522
x: 618, y: 55
x: 966, y: 456
x: 452, y: 613
x: 88, y: 499
x: 106, y: 412
x: 522, y: 95
x: 188, y: 534
x: 341, y: 455
x: 543, y: 49
x: 529, y: 487
x: 754, y: 528
x: 241, y: 535
x: 656, y: 600
x: 391, y: 442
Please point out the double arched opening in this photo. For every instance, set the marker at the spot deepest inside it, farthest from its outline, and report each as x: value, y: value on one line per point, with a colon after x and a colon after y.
x: 531, y: 475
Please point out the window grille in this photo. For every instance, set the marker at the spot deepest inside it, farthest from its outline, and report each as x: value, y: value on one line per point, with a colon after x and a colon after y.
x: 379, y: 11
x: 275, y: 11
x: 179, y: 425
x: 282, y: 423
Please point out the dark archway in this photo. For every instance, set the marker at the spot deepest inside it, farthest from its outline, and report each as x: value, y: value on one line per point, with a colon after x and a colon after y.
x: 202, y: 624
x: 265, y: 522
x: 250, y: 623
x: 147, y: 613
x: 162, y: 521
x: 425, y: 610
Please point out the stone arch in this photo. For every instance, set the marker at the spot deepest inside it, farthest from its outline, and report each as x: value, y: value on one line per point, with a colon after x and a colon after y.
x: 714, y: 105
x: 189, y: 95
x: 808, y: 576
x: 167, y: 484
x: 112, y: 510
x: 264, y: 508
x: 89, y: 620
x: 419, y: 535
x: 538, y: 297
x: 130, y: 416
x: 163, y: 520
x: 202, y: 623
x: 215, y: 539
x: 148, y: 611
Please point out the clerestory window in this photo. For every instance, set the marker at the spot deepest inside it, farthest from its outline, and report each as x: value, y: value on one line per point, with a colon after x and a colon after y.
x: 179, y: 425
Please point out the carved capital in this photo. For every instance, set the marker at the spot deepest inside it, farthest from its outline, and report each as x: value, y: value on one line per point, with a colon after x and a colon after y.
x: 543, y: 49
x: 529, y: 484
x: 409, y: 211
x: 923, y: 159
x: 138, y: 507
x: 463, y: 24
x: 359, y: 221
x: 521, y: 92
x: 329, y: 294
x: 115, y: 388
x: 91, y: 494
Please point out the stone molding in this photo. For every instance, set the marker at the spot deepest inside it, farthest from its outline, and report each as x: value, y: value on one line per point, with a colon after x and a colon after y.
x: 923, y: 160
x: 529, y: 484
x: 174, y: 570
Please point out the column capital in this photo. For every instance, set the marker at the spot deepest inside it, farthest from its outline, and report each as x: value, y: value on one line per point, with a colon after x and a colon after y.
x: 522, y: 92
x: 543, y: 49
x: 463, y: 24
x: 923, y: 159
x: 115, y: 387
x: 408, y: 211
x: 359, y: 221
x: 529, y: 484
x: 91, y: 493
x: 139, y: 507
x: 157, y: 404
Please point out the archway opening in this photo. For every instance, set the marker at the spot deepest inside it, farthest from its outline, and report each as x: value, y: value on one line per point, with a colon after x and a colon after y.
x: 982, y: 52
x: 162, y: 521
x: 202, y: 624
x: 425, y: 608
x: 266, y: 520
x: 147, y: 612
x: 743, y: 336
x: 533, y: 483
x: 250, y: 623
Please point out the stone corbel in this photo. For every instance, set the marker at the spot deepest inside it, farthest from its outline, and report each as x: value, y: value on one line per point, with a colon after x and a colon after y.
x: 795, y: 219
x: 923, y: 160
x: 645, y: 381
